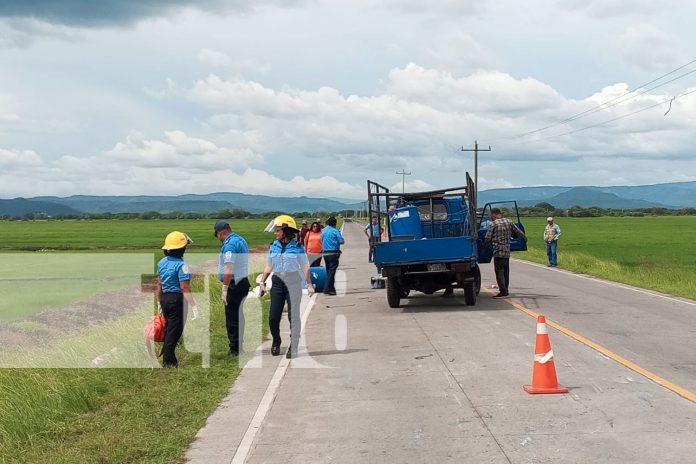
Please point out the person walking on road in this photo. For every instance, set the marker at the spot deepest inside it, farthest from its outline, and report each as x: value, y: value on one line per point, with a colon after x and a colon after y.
x: 331, y: 241
x: 173, y: 287
x: 312, y: 245
x: 287, y: 261
x: 373, y: 232
x: 233, y: 272
x: 499, y: 233
x: 551, y: 234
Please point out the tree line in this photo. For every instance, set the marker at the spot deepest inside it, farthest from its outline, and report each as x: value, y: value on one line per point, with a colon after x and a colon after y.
x: 547, y: 209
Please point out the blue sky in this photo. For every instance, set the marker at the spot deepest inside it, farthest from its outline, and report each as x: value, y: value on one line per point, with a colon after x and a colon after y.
x: 314, y: 97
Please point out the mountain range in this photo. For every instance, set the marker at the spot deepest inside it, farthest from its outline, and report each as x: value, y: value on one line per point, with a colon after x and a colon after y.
x: 674, y: 195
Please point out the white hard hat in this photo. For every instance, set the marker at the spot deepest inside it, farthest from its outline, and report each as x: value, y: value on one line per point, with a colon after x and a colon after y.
x: 549, y: 219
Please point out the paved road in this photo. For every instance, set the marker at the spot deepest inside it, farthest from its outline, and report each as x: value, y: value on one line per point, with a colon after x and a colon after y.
x: 436, y: 381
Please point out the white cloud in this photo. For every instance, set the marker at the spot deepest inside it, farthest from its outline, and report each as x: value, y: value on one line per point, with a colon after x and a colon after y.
x: 646, y: 47
x: 609, y: 8
x: 213, y: 58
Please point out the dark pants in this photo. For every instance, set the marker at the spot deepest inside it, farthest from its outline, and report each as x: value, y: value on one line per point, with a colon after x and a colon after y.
x: 286, y: 288
x: 551, y: 248
x: 234, y: 314
x: 373, y: 240
x: 502, y: 273
x: 314, y: 259
x: 331, y: 262
x: 173, y: 310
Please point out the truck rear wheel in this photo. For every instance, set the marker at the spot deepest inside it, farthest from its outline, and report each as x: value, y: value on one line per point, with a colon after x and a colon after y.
x: 393, y: 292
x: 477, y: 277
x: 470, y: 293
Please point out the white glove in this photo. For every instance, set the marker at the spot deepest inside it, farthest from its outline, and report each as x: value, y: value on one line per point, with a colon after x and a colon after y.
x: 224, y: 294
x: 159, y: 308
x: 196, y: 313
x: 262, y: 289
x: 310, y: 289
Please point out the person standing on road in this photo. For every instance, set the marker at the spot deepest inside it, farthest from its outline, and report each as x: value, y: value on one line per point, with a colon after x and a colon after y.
x: 551, y: 234
x: 331, y: 241
x: 233, y: 272
x: 373, y: 233
x: 499, y: 233
x: 287, y: 261
x: 173, y: 287
x: 312, y: 245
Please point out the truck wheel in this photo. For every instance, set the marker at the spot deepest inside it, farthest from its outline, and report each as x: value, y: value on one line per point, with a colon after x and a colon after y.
x: 393, y: 292
x: 477, y: 277
x: 470, y: 293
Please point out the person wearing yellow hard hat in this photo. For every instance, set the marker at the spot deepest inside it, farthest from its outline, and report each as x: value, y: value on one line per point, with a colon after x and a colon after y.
x: 173, y: 287
x: 288, y: 262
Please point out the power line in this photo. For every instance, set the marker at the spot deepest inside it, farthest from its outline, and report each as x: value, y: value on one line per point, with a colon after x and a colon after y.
x: 610, y: 103
x: 617, y: 118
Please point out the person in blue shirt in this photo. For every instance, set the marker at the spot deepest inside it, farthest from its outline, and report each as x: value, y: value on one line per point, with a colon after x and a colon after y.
x: 233, y: 271
x: 373, y: 232
x: 173, y: 287
x: 331, y: 241
x: 288, y: 262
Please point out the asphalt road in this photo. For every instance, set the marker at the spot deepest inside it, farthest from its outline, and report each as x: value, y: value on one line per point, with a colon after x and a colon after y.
x: 437, y: 381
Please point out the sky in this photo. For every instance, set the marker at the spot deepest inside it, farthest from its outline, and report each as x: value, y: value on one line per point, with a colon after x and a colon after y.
x: 314, y: 97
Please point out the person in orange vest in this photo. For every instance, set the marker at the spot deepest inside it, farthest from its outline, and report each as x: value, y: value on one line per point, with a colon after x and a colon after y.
x: 312, y: 244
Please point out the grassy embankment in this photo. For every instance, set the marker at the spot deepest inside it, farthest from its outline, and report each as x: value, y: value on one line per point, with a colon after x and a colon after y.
x: 115, y: 415
x: 657, y: 253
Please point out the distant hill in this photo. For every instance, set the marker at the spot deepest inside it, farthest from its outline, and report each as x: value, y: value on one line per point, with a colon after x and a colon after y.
x: 674, y: 195
x: 19, y: 207
x: 194, y: 203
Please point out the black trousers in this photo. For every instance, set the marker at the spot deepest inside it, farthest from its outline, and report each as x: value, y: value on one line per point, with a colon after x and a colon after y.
x: 331, y: 262
x: 286, y: 288
x: 502, y: 273
x: 373, y: 240
x: 234, y: 314
x: 173, y: 310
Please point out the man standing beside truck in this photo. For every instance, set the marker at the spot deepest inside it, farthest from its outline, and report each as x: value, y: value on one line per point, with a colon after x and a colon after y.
x: 551, y: 234
x: 499, y: 233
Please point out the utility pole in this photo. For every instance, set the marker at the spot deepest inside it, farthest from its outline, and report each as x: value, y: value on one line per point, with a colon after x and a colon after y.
x: 403, y: 174
x: 476, y: 150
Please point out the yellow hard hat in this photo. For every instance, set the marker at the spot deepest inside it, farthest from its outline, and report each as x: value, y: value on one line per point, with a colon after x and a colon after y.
x: 176, y: 240
x: 285, y: 221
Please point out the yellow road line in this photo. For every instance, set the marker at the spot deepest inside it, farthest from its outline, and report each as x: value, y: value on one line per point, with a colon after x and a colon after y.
x: 689, y: 395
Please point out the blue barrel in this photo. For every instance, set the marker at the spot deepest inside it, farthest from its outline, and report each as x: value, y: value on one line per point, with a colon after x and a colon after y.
x: 405, y: 224
x: 318, y: 275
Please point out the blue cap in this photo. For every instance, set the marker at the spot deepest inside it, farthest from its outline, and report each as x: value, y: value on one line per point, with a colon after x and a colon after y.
x: 221, y: 225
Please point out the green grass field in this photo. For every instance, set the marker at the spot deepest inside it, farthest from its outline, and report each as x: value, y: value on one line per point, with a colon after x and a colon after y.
x: 112, y: 235
x: 657, y: 253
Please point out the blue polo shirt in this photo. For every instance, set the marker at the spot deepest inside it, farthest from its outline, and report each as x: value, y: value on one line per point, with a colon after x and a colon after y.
x: 331, y: 239
x: 236, y: 251
x: 171, y: 272
x: 289, y: 257
x: 373, y: 230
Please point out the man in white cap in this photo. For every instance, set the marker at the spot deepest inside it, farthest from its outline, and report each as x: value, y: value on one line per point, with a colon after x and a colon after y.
x: 551, y: 234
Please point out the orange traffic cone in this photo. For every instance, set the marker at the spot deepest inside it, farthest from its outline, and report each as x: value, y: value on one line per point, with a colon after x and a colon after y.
x: 544, y: 376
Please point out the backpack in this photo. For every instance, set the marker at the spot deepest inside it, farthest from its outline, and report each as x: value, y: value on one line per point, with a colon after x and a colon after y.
x: 154, y: 332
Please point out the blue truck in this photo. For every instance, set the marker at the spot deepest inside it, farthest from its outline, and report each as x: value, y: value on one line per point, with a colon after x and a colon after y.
x: 433, y: 240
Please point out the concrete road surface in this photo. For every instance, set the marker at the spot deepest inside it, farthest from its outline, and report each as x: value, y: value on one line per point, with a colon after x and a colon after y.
x: 437, y: 381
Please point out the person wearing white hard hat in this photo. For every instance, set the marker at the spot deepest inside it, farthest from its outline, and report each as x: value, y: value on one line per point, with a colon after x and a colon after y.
x: 173, y: 287
x: 287, y: 261
x: 551, y: 234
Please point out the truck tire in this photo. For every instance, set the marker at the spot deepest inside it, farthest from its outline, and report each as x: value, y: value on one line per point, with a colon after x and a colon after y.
x: 393, y: 292
x: 470, y: 293
x: 477, y: 276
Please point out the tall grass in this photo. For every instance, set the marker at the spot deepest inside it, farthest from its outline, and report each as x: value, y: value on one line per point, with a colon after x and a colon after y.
x: 116, y: 415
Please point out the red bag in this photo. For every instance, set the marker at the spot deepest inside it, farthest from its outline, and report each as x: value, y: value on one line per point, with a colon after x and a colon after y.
x: 154, y: 331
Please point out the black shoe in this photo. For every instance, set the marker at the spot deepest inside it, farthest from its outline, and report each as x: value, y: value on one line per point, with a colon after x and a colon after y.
x: 275, y: 349
x: 330, y: 293
x: 501, y: 295
x: 235, y: 352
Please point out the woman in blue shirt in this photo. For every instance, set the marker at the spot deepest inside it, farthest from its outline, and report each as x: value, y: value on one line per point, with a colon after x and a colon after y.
x: 288, y: 261
x: 173, y: 286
